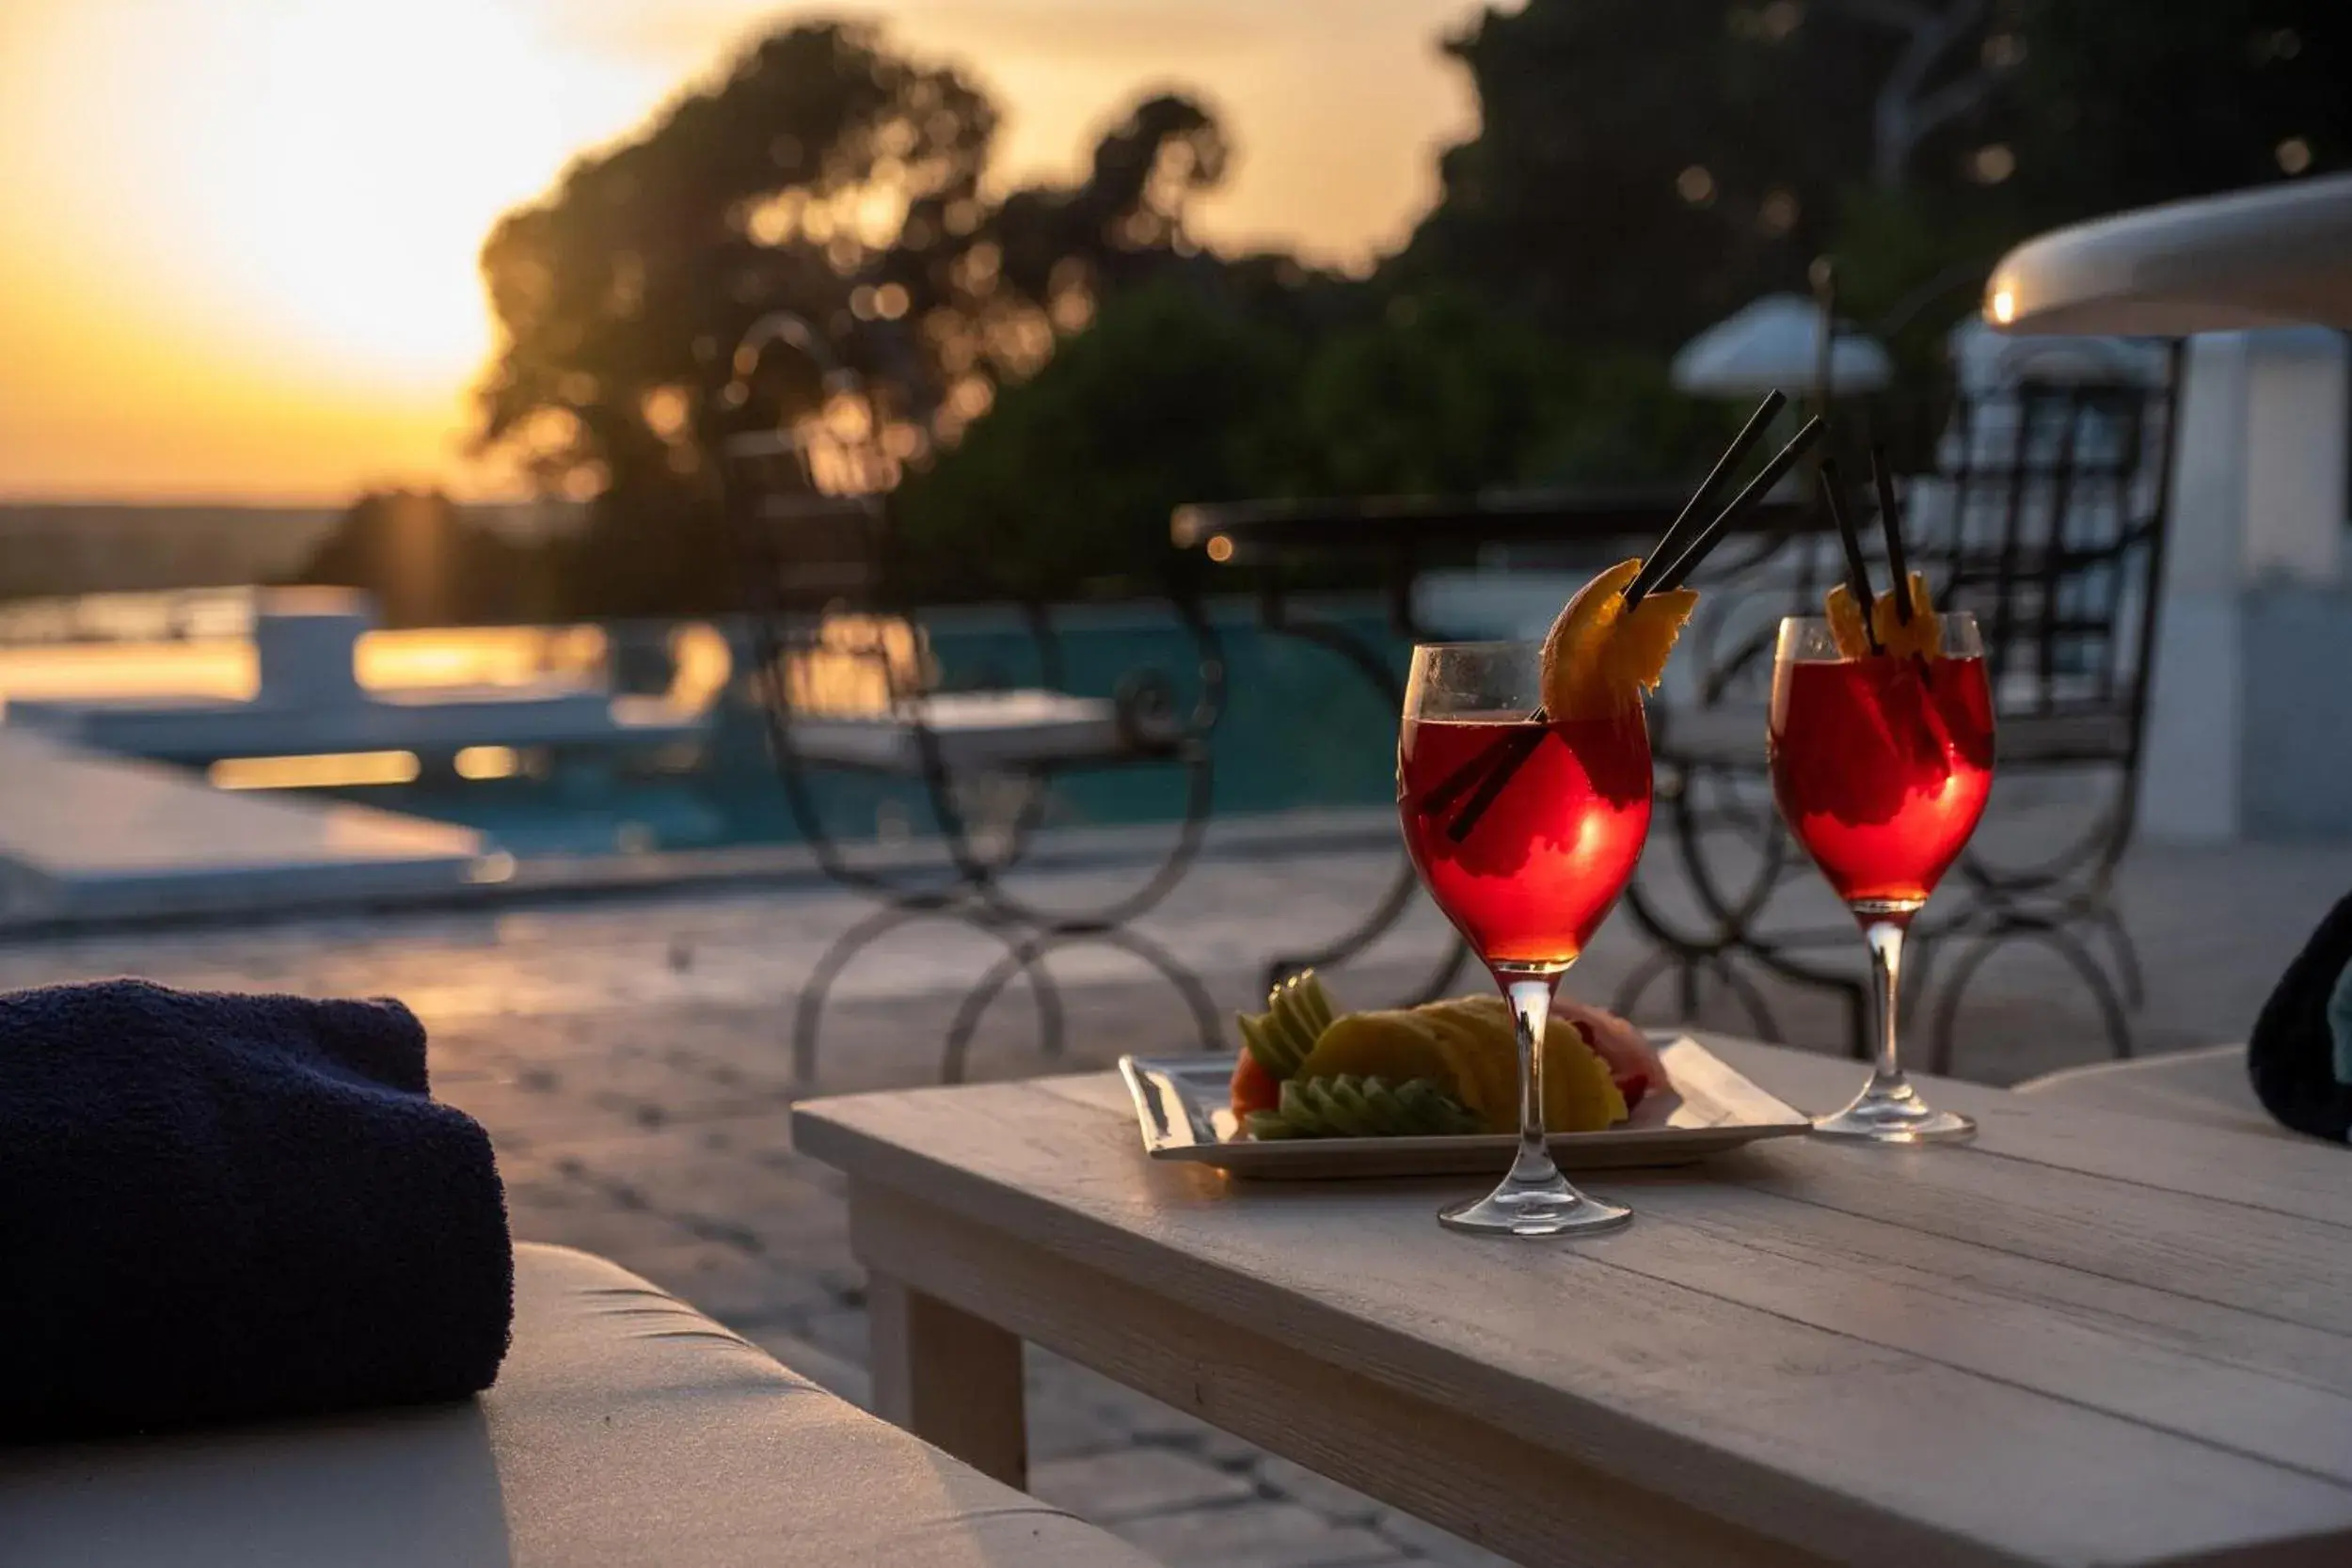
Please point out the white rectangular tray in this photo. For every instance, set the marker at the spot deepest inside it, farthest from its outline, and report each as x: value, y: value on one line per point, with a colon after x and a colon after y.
x: 1182, y: 1103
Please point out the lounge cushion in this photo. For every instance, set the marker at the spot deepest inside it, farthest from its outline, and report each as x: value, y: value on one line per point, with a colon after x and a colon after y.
x: 625, y: 1429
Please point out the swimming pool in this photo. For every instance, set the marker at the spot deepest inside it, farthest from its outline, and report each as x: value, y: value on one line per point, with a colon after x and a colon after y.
x: 1300, y: 729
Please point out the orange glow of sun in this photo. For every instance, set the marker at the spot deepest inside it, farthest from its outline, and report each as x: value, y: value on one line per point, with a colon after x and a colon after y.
x: 359, y: 174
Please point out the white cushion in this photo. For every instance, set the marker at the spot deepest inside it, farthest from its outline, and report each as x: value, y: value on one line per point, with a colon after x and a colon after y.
x: 626, y: 1428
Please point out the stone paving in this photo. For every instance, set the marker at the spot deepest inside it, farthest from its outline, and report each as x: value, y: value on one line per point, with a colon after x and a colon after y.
x: 630, y: 1059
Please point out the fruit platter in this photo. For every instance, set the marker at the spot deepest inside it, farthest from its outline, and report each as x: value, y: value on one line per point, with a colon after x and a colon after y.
x: 1313, y: 1091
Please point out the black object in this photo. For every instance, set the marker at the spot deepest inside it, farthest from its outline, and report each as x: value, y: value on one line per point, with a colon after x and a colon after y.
x: 1742, y: 504
x: 2291, y: 1055
x: 1492, y: 768
x: 1683, y: 556
x: 1891, y: 524
x: 810, y: 527
x: 1398, y: 538
x: 1669, y: 549
x: 2051, y: 516
x: 215, y: 1207
x: 1857, y: 572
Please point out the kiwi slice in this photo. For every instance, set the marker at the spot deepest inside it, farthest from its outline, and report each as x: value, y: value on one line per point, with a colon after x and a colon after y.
x: 1343, y: 1105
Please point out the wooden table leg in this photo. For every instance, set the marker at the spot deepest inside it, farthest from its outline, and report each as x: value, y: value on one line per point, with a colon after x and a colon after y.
x: 950, y: 1378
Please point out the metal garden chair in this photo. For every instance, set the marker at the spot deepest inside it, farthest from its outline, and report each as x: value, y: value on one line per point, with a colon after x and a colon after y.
x: 2040, y: 503
x: 848, y: 683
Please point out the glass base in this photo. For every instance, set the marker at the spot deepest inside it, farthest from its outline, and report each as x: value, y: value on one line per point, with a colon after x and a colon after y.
x: 1537, y: 1208
x: 1889, y: 1111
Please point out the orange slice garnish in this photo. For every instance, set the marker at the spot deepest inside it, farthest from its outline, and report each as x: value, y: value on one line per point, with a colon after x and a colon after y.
x: 1923, y: 634
x: 1600, y: 657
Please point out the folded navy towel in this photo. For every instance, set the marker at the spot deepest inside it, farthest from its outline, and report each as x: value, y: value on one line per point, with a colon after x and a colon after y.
x: 221, y: 1207
x: 2299, y: 1055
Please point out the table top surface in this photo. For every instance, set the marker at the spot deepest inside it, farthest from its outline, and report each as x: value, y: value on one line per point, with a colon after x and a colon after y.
x: 2087, y: 1337
x: 1340, y: 526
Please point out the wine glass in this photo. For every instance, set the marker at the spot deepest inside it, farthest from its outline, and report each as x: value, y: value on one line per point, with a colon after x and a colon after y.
x: 1524, y: 829
x: 1881, y: 765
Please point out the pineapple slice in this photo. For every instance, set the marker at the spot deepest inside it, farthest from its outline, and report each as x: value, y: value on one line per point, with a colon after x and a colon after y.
x: 1480, y: 1052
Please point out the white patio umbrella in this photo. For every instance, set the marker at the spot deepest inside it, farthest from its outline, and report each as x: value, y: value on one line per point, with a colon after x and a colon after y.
x: 2274, y: 256
x: 1776, y: 341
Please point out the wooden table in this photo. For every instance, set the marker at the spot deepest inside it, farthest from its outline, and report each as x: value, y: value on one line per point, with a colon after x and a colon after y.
x: 2086, y: 1338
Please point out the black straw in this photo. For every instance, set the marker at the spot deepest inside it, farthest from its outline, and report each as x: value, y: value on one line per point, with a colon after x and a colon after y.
x: 1670, y: 545
x: 1456, y: 784
x: 1891, y: 520
x: 1857, y: 572
x: 1506, y: 757
x: 1766, y: 476
x: 1511, y: 754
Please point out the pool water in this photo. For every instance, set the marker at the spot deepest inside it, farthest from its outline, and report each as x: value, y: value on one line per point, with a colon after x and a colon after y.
x: 1301, y: 728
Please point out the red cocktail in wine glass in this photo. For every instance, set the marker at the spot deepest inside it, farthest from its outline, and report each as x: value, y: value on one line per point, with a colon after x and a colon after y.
x: 1524, y: 830
x: 1537, y: 873
x: 1881, y: 765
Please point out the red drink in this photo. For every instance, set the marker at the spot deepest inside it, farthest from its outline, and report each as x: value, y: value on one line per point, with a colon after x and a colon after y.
x: 1882, y: 767
x: 1530, y: 878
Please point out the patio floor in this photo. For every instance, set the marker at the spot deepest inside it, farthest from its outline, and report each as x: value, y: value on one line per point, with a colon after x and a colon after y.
x: 630, y: 1058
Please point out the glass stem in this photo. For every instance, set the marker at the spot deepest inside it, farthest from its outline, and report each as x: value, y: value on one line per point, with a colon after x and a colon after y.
x: 1885, y: 938
x: 1531, y: 1010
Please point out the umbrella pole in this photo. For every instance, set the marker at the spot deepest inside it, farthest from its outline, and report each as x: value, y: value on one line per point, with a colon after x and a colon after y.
x: 1823, y: 275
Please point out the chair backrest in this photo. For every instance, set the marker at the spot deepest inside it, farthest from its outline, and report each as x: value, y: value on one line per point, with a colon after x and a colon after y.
x: 804, y: 502
x: 804, y: 551
x: 2042, y: 507
x: 2039, y: 505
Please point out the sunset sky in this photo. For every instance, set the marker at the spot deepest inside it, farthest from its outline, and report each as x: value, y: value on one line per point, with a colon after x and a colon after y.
x: 237, y: 237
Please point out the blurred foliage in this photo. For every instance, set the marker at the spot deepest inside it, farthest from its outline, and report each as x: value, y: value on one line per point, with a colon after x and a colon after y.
x: 1065, y: 486
x: 824, y: 175
x: 1049, y: 372
x: 1647, y: 167
x: 2122, y: 102
x: 1436, y: 395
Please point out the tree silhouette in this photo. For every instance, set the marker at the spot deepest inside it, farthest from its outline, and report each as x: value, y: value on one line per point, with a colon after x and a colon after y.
x: 1065, y: 486
x: 1645, y: 166
x: 827, y: 175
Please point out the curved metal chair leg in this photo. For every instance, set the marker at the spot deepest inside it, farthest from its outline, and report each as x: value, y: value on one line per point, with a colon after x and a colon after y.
x: 809, y: 1014
x: 1023, y: 958
x: 1374, y: 669
x: 1750, y: 999
x: 1687, y: 970
x: 1356, y: 937
x: 1186, y: 983
x: 2127, y: 970
x: 1948, y: 1005
x: 2052, y: 936
x: 1028, y: 957
x: 1632, y: 989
